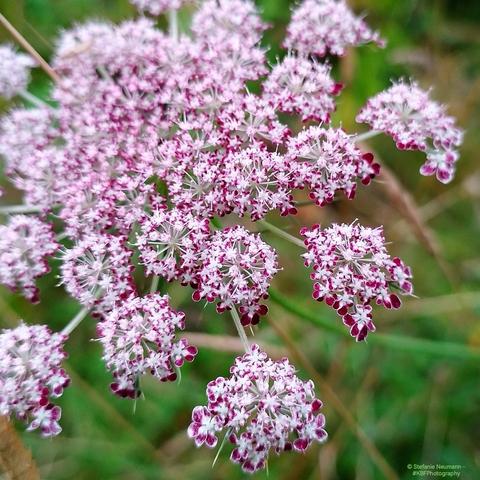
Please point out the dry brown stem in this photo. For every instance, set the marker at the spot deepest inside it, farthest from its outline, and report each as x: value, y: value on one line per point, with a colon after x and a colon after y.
x: 26, y: 45
x: 16, y: 461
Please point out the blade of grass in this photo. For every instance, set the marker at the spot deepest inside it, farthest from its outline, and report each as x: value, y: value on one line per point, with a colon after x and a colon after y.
x: 334, y: 401
x: 403, y: 201
x: 229, y: 344
x: 399, y: 342
x: 113, y: 413
x: 406, y: 205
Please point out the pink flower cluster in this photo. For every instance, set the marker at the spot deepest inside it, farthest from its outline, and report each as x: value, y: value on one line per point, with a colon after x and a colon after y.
x: 319, y: 27
x: 351, y: 268
x: 230, y: 266
x: 138, y: 336
x: 327, y: 160
x: 97, y: 271
x: 31, y: 376
x: 152, y: 139
x: 25, y: 245
x: 15, y: 71
x: 303, y: 87
x: 170, y: 242
x: 236, y: 269
x: 263, y: 406
x: 406, y: 113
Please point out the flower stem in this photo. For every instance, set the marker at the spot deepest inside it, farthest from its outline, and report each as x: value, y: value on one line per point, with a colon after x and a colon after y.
x: 154, y: 286
x: 24, y: 43
x: 240, y: 329
x: 9, y: 209
x: 30, y: 98
x: 173, y: 24
x: 220, y: 448
x: 395, y: 342
x: 365, y: 136
x: 279, y: 232
x: 75, y: 321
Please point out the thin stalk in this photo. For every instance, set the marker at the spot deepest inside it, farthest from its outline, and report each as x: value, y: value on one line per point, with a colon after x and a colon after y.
x: 103, y: 73
x: 9, y: 209
x: 154, y: 285
x: 220, y: 448
x: 365, y: 136
x: 397, y: 342
x: 24, y: 43
x: 30, y: 98
x: 279, y: 232
x: 240, y: 329
x: 75, y: 321
x: 173, y: 24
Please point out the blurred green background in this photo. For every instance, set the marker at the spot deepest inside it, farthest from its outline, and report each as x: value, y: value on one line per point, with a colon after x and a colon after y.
x: 415, y: 406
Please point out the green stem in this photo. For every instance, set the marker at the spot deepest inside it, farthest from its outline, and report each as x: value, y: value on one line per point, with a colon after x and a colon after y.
x: 398, y: 342
x: 240, y: 329
x: 365, y: 136
x: 173, y: 24
x: 29, y: 97
x: 154, y: 285
x: 220, y: 448
x: 75, y: 322
x: 12, y: 209
x: 279, y: 232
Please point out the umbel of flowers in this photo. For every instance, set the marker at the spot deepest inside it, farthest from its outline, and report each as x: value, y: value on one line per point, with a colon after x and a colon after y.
x: 263, y: 406
x: 148, y: 139
x: 31, y: 376
x: 351, y: 268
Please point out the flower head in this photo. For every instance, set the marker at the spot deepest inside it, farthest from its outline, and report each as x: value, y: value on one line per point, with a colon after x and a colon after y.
x: 15, y: 71
x: 415, y: 122
x: 263, y: 406
x: 198, y: 187
x: 225, y: 21
x: 258, y: 181
x: 97, y: 271
x: 229, y: 34
x: 138, y: 336
x: 170, y: 241
x: 327, y: 160
x: 26, y: 243
x: 304, y: 87
x: 319, y: 27
x: 352, y: 268
x: 236, y: 268
x: 252, y: 119
x: 31, y: 376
